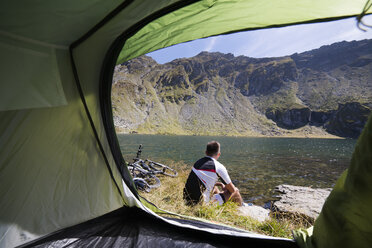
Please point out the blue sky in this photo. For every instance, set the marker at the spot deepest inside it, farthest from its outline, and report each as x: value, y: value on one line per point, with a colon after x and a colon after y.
x: 270, y: 42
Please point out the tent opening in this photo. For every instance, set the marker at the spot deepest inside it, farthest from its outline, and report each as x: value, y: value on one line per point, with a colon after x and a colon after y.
x: 243, y: 89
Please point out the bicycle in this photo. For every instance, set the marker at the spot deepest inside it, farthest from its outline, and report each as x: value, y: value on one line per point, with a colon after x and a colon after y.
x: 143, y: 179
x: 159, y: 168
x: 155, y: 167
x: 144, y: 172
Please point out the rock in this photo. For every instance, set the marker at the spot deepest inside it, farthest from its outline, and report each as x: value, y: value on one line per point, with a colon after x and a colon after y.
x: 143, y: 63
x: 302, y: 200
x: 329, y: 57
x: 290, y: 118
x: 349, y: 119
x: 319, y: 118
x: 270, y: 78
x: 255, y: 212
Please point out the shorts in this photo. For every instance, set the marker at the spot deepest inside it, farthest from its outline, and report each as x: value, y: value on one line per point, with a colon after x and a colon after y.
x: 219, y: 198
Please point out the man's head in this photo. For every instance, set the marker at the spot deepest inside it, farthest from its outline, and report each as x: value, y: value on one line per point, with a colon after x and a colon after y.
x: 213, y: 149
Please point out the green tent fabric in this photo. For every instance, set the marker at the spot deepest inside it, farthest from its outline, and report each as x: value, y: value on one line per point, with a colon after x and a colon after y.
x: 207, y: 18
x: 60, y: 162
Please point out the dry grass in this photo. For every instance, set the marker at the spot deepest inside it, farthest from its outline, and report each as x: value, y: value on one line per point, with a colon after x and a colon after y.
x: 170, y: 197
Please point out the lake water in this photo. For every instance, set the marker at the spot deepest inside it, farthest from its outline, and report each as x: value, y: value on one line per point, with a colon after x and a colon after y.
x: 255, y: 165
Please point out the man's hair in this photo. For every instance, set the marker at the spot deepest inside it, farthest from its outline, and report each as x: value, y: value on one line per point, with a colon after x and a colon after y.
x: 213, y: 148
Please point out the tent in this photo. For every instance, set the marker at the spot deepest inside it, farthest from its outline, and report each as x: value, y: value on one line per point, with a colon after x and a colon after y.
x: 62, y: 177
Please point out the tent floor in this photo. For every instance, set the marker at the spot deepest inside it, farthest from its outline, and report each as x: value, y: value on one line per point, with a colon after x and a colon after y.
x: 132, y: 227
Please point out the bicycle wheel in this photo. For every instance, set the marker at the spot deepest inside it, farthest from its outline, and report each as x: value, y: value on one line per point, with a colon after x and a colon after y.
x: 163, y: 169
x: 138, y: 171
x: 152, y: 180
x: 141, y: 184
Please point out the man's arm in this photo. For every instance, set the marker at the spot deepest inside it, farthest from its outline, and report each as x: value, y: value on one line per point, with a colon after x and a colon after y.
x: 231, y: 188
x: 233, y: 194
x: 230, y: 192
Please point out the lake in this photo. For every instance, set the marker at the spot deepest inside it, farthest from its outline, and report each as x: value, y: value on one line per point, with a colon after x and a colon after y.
x: 255, y: 165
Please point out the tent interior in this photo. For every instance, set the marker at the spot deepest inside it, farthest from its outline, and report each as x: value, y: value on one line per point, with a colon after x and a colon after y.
x: 63, y: 179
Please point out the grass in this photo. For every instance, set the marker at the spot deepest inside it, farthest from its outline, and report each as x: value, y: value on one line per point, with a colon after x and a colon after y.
x: 169, y: 197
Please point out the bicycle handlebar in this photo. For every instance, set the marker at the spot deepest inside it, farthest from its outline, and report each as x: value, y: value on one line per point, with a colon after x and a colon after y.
x: 150, y: 167
x: 139, y: 151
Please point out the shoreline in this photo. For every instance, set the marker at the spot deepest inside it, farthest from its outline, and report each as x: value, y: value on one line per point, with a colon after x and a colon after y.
x: 330, y: 136
x: 305, y: 132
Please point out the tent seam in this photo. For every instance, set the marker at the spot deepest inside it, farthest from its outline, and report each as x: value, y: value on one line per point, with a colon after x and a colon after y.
x: 95, y: 28
x: 106, y: 82
x: 29, y: 40
x: 106, y: 19
x: 82, y: 98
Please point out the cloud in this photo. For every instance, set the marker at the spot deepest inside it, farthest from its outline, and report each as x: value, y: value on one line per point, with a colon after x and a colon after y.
x: 211, y: 43
x: 299, y: 38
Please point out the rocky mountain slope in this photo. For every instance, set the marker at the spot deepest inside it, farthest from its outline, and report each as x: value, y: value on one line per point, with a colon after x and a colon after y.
x: 315, y: 93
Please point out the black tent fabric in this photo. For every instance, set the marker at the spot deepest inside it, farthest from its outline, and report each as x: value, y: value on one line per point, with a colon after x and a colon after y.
x: 131, y: 227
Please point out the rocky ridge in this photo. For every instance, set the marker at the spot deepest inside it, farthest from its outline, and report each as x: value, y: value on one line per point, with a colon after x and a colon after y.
x: 323, y: 92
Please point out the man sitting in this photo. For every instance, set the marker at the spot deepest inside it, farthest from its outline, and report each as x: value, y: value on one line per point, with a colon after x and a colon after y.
x: 202, y: 180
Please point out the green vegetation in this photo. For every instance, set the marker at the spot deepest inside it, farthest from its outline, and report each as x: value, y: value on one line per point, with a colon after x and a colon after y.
x: 284, y: 98
x: 169, y: 197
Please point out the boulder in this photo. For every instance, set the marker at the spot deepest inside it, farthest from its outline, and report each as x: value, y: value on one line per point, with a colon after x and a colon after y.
x: 255, y: 212
x: 301, y: 200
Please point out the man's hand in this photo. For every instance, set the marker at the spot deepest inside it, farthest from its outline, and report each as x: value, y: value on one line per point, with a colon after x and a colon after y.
x: 219, y: 184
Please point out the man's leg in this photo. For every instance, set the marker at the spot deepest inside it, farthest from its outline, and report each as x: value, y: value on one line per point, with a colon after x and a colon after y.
x: 216, y: 190
x: 235, y: 197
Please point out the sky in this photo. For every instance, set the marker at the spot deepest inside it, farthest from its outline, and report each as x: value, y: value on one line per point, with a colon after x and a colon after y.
x: 272, y: 42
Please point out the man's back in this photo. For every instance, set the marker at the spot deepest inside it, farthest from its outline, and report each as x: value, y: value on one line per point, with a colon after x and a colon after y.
x: 202, y: 179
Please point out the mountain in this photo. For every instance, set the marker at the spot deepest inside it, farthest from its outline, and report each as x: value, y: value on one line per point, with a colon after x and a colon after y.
x: 323, y: 92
